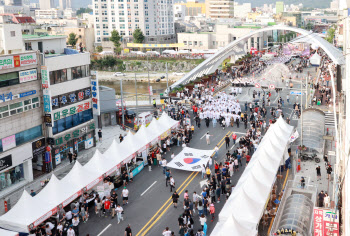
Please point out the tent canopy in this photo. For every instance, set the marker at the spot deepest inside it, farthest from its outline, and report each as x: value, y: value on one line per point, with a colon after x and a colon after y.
x: 32, y: 211
x: 248, y: 199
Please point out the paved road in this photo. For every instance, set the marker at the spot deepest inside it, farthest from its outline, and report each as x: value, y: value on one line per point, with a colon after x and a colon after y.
x: 150, y: 213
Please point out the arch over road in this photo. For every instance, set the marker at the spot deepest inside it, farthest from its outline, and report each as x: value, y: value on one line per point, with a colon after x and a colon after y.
x: 237, y: 47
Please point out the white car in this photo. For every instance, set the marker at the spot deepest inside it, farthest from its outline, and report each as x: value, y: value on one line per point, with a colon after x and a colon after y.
x: 178, y: 73
x: 119, y: 74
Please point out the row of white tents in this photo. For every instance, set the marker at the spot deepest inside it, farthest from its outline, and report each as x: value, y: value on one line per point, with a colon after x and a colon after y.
x: 29, y: 212
x: 244, y: 208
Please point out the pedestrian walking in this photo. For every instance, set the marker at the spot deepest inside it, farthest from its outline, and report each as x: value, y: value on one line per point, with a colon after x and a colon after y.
x: 100, y: 135
x: 216, y: 149
x: 318, y: 172
x: 202, y: 220
x: 70, y: 156
x: 149, y: 162
x: 227, y: 141
x: 119, y: 211
x: 172, y: 184
x: 166, y: 232
x: 212, y: 211
x: 75, y: 223
x: 127, y: 231
x: 207, y: 137
x: 125, y: 195
x: 164, y: 163
x: 175, y: 198
x: 234, y: 137
x: 321, y: 196
x: 329, y: 172
x: 167, y: 177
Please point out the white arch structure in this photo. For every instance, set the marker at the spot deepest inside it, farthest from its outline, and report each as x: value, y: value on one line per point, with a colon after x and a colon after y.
x: 237, y: 47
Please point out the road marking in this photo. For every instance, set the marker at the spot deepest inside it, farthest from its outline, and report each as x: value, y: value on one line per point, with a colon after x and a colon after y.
x: 148, y: 188
x: 222, y: 141
x: 203, y: 136
x: 104, y: 230
x: 237, y: 141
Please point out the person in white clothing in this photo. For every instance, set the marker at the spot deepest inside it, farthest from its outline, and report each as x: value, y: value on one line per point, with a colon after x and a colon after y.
x: 164, y: 163
x: 70, y: 232
x: 167, y: 232
x: 207, y: 137
x: 119, y: 213
x: 125, y: 194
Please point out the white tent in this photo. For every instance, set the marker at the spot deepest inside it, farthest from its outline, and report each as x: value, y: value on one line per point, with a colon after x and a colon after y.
x: 152, y: 53
x: 190, y: 159
x: 248, y: 198
x: 315, y: 59
x: 168, y: 51
x: 4, y: 232
x: 31, y: 211
x: 232, y: 227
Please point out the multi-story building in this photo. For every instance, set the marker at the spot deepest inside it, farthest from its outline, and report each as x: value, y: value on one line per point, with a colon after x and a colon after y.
x: 219, y: 8
x: 242, y: 10
x: 193, y: 8
x: 21, y: 119
x: 46, y: 4
x: 13, y: 2
x: 49, y: 14
x: 154, y: 18
x: 179, y: 12
x: 279, y: 7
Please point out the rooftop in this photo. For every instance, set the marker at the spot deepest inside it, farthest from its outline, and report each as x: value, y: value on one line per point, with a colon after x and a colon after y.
x: 45, y: 36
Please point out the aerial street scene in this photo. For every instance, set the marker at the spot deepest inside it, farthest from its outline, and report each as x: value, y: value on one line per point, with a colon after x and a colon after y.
x: 174, y: 118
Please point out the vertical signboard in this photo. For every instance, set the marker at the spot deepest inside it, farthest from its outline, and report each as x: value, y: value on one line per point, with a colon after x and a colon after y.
x: 95, y: 93
x: 47, y: 100
x: 326, y: 222
x: 45, y: 82
x: 45, y: 79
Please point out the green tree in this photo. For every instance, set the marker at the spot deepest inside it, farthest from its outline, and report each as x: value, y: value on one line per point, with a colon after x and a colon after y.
x: 138, y: 36
x: 72, y: 39
x: 83, y: 10
x: 99, y: 48
x: 115, y: 38
x: 309, y: 26
x: 330, y: 34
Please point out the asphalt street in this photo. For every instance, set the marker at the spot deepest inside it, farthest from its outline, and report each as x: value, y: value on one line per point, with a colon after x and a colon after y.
x: 150, y: 209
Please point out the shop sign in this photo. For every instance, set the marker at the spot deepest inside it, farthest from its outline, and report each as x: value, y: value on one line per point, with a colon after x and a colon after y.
x: 5, y: 162
x: 8, y: 142
x: 48, y: 120
x: 6, y: 62
x: 44, y: 217
x: 28, y: 75
x: 95, y: 93
x: 38, y: 147
x: 17, y: 61
x: 138, y: 169
x: 165, y: 134
x: 69, y: 111
x: 93, y: 183
x: 28, y: 59
x: 113, y: 169
x: 326, y: 222
x: 10, y: 96
x: 45, y: 78
x: 75, y: 133
x: 70, y: 199
x: 89, y: 143
x: 47, y: 100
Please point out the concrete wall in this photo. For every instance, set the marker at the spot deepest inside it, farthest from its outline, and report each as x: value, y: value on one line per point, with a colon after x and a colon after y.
x: 67, y: 61
x: 11, y: 44
x: 57, y: 44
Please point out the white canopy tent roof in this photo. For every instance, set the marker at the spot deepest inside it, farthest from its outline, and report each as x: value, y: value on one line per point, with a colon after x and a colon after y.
x: 32, y: 211
x: 248, y: 199
x: 4, y: 232
x: 315, y: 59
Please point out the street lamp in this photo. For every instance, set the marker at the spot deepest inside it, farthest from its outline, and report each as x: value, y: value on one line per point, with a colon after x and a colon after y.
x: 121, y: 95
x: 149, y: 85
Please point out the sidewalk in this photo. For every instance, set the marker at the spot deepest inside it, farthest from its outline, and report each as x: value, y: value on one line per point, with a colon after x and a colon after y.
x: 108, y: 134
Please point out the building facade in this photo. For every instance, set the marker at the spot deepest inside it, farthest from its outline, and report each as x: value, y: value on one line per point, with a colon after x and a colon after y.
x: 49, y: 14
x: 242, y: 10
x: 21, y: 120
x: 154, y: 18
x: 219, y: 8
x: 193, y: 8
x: 46, y: 4
x: 279, y: 7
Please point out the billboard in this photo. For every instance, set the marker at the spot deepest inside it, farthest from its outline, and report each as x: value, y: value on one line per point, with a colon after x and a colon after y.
x: 301, y: 49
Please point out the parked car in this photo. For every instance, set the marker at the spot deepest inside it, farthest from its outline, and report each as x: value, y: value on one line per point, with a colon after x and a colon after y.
x: 130, y: 114
x: 178, y: 73
x: 119, y: 74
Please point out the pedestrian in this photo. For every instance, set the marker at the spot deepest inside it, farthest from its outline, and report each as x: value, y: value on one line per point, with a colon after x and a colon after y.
x: 318, y: 172
x: 75, y: 223
x: 125, y: 194
x: 207, y: 137
x: 200, y: 207
x: 119, y: 210
x: 212, y: 211
x: 70, y: 156
x: 107, y: 206
x: 234, y: 137
x: 302, y: 182
x: 172, y: 184
x: 216, y: 149
x: 164, y: 163
x: 227, y: 141
x: 321, y: 196
x: 154, y: 103
x: 208, y: 172
x: 167, y: 177
x: 202, y: 220
x: 329, y: 172
x: 100, y: 135
x: 327, y: 201
x: 175, y: 198
x: 70, y: 231
x: 203, y: 171
x: 121, y: 138
x: 128, y: 231
x: 218, y: 193
x: 32, y: 193
x: 166, y: 232
x: 149, y: 162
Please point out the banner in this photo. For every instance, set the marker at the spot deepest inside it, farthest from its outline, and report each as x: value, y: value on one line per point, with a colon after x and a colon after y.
x: 8, y: 142
x: 191, y: 159
x: 95, y: 93
x: 28, y: 75
x: 143, y: 45
x: 326, y: 222
x: 294, y: 136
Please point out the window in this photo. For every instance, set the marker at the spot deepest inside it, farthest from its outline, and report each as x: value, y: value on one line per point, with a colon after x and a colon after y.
x: 189, y: 43
x: 121, y: 19
x: 98, y: 33
x: 195, y: 43
x: 185, y: 42
x: 137, y: 20
x: 79, y: 71
x: 121, y: 13
x: 136, y: 13
x: 121, y: 6
x: 28, y: 46
x: 105, y: 32
x: 97, y: 26
x: 105, y: 26
x: 147, y: 32
x: 58, y: 76
x: 147, y: 26
x: 146, y: 6
x: 146, y: 13
x: 97, y: 19
x: 13, y: 33
x: 136, y: 6
x: 28, y: 135
x: 122, y: 32
x: 72, y: 121
x: 96, y: 13
x: 200, y: 43
x: 9, y: 79
x: 104, y: 13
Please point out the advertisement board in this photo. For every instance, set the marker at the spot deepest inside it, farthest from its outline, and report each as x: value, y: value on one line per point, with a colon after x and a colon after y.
x: 28, y: 75
x: 8, y: 142
x: 7, y: 62
x: 326, y: 222
x: 95, y: 93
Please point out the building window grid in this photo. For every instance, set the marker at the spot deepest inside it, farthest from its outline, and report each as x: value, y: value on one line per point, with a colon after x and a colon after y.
x: 19, y: 107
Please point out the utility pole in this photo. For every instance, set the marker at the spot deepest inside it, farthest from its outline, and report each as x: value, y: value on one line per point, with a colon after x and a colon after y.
x: 149, y: 85
x: 167, y: 83
x: 121, y: 93
x: 137, y: 114
x: 301, y: 108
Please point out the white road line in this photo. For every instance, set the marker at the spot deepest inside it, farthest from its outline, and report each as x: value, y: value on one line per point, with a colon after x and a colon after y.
x: 203, y: 136
x: 237, y: 141
x: 148, y: 188
x: 104, y: 230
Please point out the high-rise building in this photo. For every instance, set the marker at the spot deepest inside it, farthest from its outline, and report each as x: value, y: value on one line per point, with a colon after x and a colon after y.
x: 68, y: 3
x: 13, y: 2
x: 46, y: 4
x: 62, y: 4
x: 219, y: 8
x: 154, y: 18
x: 279, y: 7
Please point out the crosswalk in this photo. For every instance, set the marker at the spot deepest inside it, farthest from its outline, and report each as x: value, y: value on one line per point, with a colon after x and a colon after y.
x: 329, y: 119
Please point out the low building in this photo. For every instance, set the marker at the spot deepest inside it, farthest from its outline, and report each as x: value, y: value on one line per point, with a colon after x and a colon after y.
x: 179, y: 12
x: 108, y: 106
x: 193, y: 8
x: 49, y: 14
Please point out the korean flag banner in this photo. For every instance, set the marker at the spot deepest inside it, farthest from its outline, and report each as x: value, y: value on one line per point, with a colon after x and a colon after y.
x: 190, y: 159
